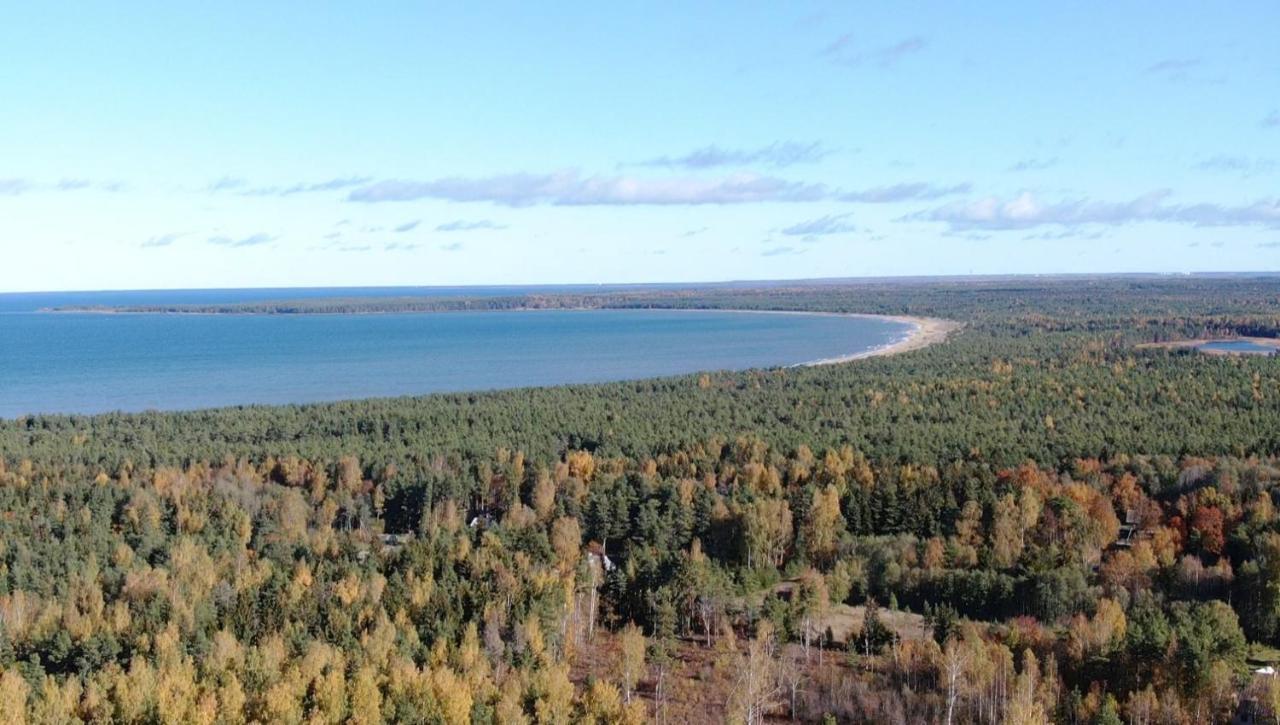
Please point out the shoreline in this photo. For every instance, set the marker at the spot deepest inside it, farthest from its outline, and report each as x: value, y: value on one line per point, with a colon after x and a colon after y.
x: 1198, y: 343
x: 919, y: 332
x: 925, y: 331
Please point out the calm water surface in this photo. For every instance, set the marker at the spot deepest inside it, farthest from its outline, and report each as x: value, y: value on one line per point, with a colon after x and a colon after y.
x: 1238, y: 346
x: 88, y: 363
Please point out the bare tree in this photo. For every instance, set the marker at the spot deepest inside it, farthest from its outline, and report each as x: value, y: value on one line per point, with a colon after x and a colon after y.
x: 759, y: 683
x: 708, y: 611
x: 791, y: 676
x: 596, y: 566
x: 662, y: 698
x: 955, y: 658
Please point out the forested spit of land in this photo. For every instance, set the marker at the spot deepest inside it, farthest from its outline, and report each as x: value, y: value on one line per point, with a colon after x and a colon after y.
x: 1038, y: 520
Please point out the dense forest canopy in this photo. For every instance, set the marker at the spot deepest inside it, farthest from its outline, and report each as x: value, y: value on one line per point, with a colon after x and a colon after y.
x: 1035, y: 521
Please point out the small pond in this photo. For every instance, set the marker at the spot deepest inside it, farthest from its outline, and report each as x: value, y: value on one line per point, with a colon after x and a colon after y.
x: 1239, y: 347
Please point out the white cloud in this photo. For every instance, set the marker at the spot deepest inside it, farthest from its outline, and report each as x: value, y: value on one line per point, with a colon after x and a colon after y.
x: 461, y: 225
x: 845, y: 51
x: 1026, y: 210
x: 252, y: 240
x: 569, y: 188
x: 778, y: 155
x: 822, y: 226
x: 903, y: 192
x: 162, y: 240
x: 13, y: 187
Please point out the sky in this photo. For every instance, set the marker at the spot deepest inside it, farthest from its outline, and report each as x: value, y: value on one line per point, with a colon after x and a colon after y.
x: 234, y: 144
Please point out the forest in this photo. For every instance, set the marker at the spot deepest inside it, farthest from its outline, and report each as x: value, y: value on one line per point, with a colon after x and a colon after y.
x: 1035, y: 521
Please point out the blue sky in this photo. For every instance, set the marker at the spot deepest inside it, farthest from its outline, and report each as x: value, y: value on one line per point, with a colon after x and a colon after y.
x: 155, y: 145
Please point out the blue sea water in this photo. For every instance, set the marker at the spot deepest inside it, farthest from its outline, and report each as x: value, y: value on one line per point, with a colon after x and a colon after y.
x: 89, y: 363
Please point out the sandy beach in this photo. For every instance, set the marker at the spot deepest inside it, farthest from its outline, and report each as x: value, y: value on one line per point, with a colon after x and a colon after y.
x: 924, y: 331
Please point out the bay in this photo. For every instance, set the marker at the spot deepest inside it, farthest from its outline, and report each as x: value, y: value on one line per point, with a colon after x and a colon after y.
x: 91, y: 363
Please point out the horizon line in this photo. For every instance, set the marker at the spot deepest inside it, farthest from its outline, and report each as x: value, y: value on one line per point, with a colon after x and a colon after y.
x: 693, y: 284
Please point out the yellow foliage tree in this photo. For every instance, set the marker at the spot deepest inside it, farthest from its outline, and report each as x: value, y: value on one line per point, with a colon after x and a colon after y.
x: 14, y: 692
x: 631, y: 659
x: 366, y: 699
x: 823, y: 525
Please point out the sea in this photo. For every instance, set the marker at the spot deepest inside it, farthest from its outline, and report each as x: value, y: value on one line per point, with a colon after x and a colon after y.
x: 85, y: 363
